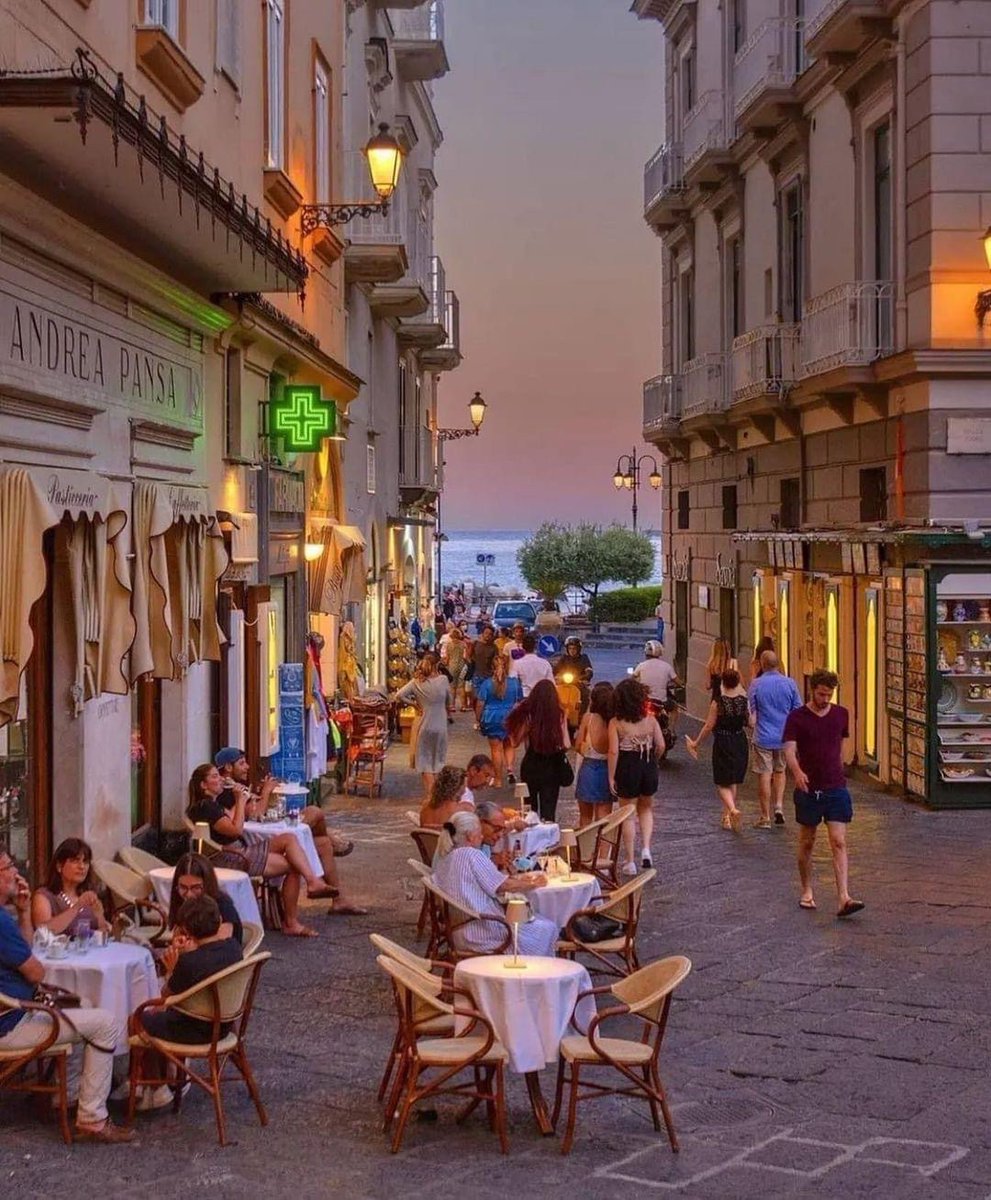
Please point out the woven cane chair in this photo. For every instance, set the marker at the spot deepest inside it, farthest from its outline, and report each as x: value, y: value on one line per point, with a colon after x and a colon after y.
x: 618, y: 955
x: 598, y: 846
x: 428, y: 1025
x: 417, y: 999
x: 252, y: 936
x: 452, y: 916
x: 268, y: 892
x: 426, y: 844
x: 48, y: 1058
x: 646, y: 996
x: 131, y: 897
x: 226, y: 997
x: 140, y: 861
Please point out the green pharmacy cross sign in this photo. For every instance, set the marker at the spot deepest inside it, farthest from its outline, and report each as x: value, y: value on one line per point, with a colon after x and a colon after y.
x: 301, y: 417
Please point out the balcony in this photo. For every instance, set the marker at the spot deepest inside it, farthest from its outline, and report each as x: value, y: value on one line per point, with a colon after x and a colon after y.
x: 843, y: 26
x: 419, y: 42
x: 664, y: 188
x: 417, y: 469
x: 376, y: 246
x: 705, y: 386
x: 765, y: 362
x: 428, y: 329
x: 706, y: 137
x: 764, y: 71
x: 661, y: 407
x: 848, y: 326
x: 446, y: 356
x: 409, y: 295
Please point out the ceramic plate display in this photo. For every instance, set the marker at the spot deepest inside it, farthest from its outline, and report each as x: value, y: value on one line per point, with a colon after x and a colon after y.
x: 947, y: 698
x: 954, y: 755
x: 958, y: 772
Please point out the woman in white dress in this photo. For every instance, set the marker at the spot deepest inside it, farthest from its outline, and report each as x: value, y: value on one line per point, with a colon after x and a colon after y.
x: 464, y: 872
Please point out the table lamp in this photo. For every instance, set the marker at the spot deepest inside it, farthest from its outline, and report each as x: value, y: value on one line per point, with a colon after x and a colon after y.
x: 568, y: 841
x: 202, y: 834
x: 522, y: 793
x: 517, y: 911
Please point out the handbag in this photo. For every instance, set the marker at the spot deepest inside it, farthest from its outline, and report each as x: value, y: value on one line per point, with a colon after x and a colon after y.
x: 53, y: 996
x: 565, y: 771
x: 594, y: 927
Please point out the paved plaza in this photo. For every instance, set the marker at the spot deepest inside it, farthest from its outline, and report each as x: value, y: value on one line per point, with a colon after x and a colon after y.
x: 805, y: 1056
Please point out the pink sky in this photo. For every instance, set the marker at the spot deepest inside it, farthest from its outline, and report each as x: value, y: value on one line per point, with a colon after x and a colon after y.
x: 549, y: 113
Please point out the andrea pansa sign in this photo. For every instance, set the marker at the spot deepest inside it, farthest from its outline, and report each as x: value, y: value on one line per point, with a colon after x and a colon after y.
x: 301, y: 417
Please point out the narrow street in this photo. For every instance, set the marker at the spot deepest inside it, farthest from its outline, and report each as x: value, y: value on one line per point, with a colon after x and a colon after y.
x: 802, y: 1052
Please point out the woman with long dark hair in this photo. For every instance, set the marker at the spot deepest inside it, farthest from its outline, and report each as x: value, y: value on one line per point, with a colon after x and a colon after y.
x: 495, y: 697
x: 68, y: 898
x: 636, y: 744
x: 595, y: 800
x: 540, y: 721
x: 729, y: 720
x: 194, y: 876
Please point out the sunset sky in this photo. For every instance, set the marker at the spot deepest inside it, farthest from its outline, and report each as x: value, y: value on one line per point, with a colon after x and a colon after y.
x: 549, y: 112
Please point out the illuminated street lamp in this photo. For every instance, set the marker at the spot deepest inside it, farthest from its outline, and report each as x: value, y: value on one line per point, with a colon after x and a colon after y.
x: 384, y: 156
x: 477, y: 409
x: 628, y: 476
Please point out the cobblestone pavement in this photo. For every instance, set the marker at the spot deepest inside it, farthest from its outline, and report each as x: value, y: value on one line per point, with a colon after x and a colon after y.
x: 805, y: 1055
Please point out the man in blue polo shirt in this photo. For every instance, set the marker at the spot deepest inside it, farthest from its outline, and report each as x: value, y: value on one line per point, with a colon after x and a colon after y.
x: 20, y: 972
x: 773, y: 697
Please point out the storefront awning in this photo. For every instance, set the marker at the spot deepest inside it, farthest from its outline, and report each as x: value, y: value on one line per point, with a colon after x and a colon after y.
x: 338, y: 575
x: 97, y: 562
x: 179, y: 556
x: 113, y: 163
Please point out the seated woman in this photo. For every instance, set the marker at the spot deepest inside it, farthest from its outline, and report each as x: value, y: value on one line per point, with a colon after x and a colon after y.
x: 198, y: 950
x: 194, y: 876
x: 464, y: 872
x: 68, y: 899
x: 446, y: 798
x: 223, y: 809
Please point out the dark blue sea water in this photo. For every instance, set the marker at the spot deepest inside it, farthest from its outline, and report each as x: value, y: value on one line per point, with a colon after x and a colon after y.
x: 458, y: 557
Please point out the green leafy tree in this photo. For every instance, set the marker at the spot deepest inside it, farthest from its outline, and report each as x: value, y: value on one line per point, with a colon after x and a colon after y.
x: 545, y: 558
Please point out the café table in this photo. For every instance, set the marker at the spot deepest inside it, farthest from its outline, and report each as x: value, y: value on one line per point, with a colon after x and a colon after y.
x: 117, y: 977
x: 563, y: 896
x: 236, y: 884
x: 529, y: 1008
x: 535, y: 839
x: 300, y: 831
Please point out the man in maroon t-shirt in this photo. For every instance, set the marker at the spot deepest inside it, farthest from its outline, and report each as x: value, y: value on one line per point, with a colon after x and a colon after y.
x: 813, y: 745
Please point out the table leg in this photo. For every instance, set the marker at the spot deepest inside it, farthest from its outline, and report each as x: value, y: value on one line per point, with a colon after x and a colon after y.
x: 538, y: 1103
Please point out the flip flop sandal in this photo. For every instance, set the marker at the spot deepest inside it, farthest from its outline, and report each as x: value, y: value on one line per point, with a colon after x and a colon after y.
x: 807, y: 904
x: 347, y: 845
x: 851, y: 907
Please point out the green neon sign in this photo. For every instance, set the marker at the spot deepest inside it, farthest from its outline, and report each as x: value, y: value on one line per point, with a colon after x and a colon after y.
x: 301, y: 417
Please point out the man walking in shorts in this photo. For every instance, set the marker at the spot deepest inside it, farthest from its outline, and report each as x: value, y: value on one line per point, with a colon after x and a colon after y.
x: 773, y: 697
x: 813, y: 746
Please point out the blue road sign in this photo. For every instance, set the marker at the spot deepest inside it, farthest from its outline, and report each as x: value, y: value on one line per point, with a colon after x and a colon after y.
x: 480, y: 559
x: 485, y: 560
x: 548, y: 646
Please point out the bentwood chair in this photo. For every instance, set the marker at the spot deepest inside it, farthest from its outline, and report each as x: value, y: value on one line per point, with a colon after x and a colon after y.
x: 429, y: 1066
x: 268, y: 892
x: 646, y: 996
x: 428, y: 913
x: 616, y: 955
x: 48, y: 1058
x: 426, y: 844
x: 599, y: 843
x: 452, y: 916
x: 428, y: 1025
x: 252, y: 936
x: 224, y: 998
x: 131, y: 897
x: 140, y: 861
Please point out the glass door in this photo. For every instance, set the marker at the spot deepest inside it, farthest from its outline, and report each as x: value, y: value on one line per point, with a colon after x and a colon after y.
x: 869, y: 672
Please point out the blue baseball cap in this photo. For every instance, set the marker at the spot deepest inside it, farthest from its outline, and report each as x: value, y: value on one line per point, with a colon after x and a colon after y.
x: 228, y: 756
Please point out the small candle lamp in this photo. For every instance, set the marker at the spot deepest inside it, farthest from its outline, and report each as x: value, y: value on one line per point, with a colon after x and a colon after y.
x: 568, y: 841
x: 202, y: 834
x: 522, y: 794
x: 517, y: 911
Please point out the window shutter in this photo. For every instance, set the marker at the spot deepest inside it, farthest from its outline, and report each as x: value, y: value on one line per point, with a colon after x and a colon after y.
x: 229, y: 39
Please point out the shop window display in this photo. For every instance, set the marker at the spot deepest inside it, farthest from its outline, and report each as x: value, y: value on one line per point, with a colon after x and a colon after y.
x: 963, y: 664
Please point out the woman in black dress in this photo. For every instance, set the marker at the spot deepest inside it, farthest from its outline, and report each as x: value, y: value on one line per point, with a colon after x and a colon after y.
x: 728, y: 721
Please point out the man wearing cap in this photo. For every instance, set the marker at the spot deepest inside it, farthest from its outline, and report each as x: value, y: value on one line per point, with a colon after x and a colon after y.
x: 232, y: 763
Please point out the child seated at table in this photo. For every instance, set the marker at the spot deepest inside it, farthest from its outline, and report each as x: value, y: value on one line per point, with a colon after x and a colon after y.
x: 199, y: 949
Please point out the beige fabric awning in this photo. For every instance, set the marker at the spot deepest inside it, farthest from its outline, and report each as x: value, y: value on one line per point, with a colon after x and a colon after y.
x: 333, y: 577
x: 98, y: 577
x: 25, y: 514
x: 179, y: 556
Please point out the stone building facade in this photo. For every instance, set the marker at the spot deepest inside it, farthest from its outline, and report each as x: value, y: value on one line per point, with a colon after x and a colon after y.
x: 824, y: 402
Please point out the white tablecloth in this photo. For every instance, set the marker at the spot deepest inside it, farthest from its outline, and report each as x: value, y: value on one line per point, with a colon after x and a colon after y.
x: 529, y: 1008
x: 563, y: 897
x: 117, y: 977
x: 534, y: 840
x: 302, y: 833
x: 236, y: 884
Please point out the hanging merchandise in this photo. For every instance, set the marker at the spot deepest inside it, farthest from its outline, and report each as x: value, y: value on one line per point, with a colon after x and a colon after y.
x: 401, y: 661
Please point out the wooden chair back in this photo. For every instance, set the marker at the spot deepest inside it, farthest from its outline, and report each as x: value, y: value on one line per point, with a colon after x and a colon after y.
x: 139, y: 860
x: 125, y: 886
x: 251, y: 938
x: 646, y: 992
x: 426, y: 843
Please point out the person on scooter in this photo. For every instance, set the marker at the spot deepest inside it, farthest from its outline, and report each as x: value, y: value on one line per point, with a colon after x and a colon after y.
x: 576, y: 663
x: 659, y: 677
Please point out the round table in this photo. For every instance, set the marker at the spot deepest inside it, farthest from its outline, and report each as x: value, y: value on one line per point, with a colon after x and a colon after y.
x: 116, y: 977
x: 529, y: 1009
x: 301, y: 832
x: 236, y: 884
x: 563, y: 897
x: 535, y: 839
